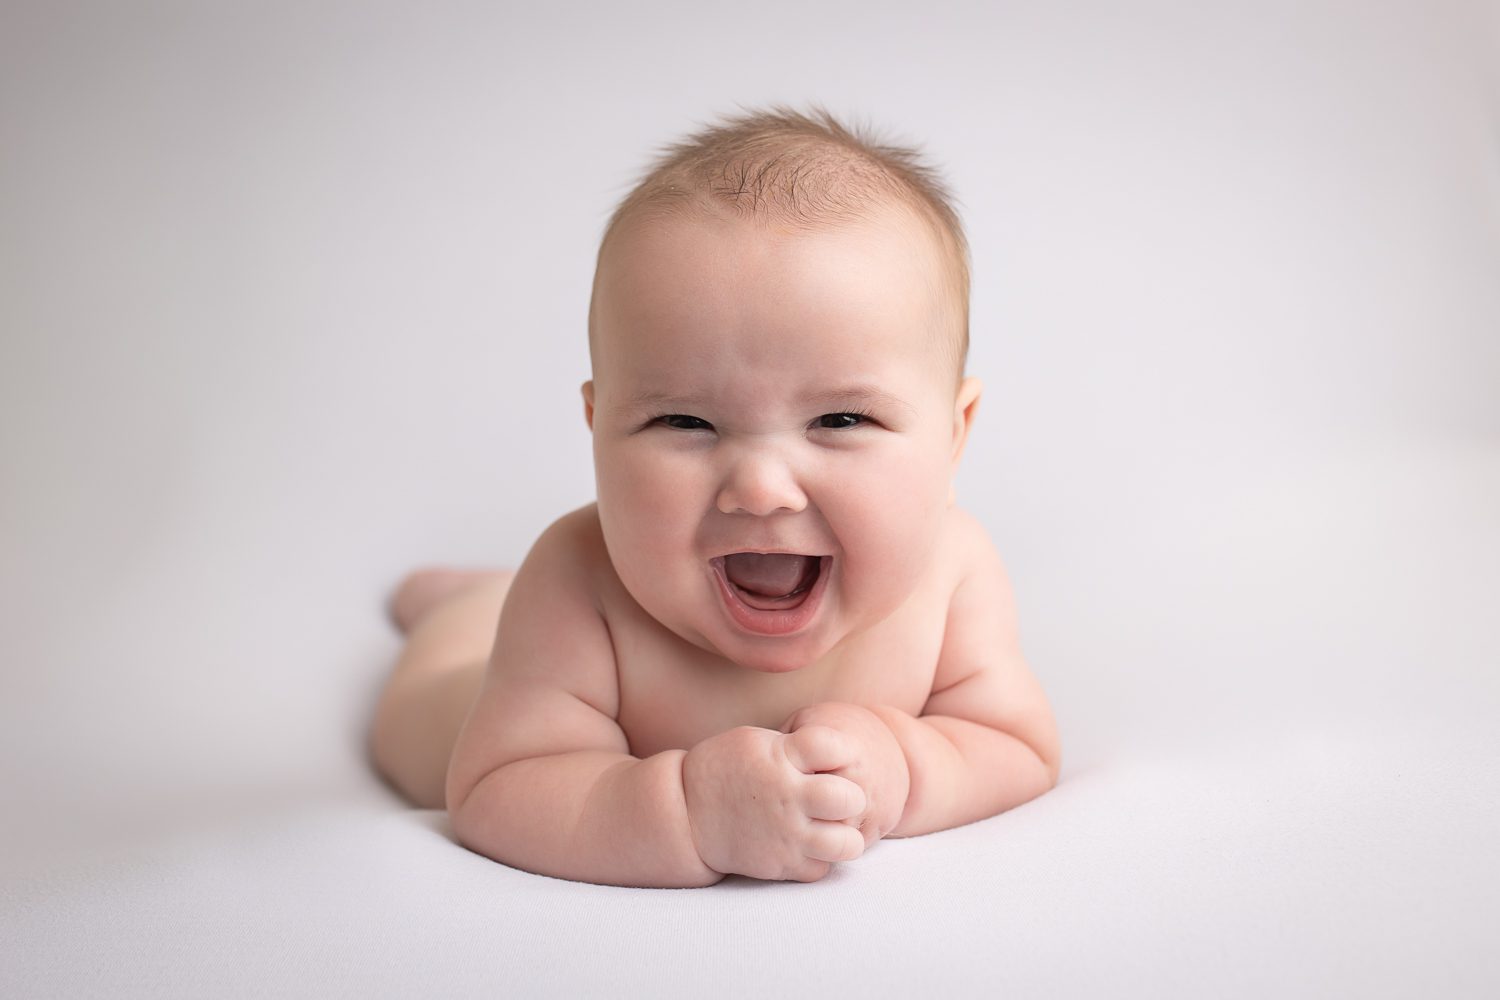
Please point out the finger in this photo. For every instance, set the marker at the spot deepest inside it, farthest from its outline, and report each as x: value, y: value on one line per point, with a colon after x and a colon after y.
x: 834, y: 842
x: 829, y: 796
x: 809, y: 871
x: 817, y: 748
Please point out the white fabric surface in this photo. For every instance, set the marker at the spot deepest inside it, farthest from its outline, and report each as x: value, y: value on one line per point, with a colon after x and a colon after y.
x: 292, y: 301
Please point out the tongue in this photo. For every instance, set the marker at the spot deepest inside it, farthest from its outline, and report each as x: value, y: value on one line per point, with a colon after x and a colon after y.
x: 768, y: 575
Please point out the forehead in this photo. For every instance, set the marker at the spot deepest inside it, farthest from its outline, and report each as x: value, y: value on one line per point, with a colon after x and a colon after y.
x: 679, y: 286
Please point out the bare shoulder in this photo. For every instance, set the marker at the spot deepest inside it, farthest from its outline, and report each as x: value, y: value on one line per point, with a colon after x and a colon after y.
x: 982, y: 674
x: 573, y: 546
x: 972, y: 557
x: 981, y: 626
x: 552, y: 626
x: 551, y: 685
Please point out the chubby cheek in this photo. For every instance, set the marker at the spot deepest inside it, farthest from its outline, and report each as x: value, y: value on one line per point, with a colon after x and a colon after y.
x: 887, y: 521
x: 650, y: 508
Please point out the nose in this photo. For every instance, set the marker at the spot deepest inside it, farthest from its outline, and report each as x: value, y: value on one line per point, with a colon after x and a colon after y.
x: 759, y: 482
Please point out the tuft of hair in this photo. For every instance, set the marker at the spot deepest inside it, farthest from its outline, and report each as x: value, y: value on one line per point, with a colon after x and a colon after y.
x: 805, y: 170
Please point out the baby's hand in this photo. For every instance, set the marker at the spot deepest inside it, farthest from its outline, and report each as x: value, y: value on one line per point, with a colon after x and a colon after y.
x: 758, y: 807
x: 878, y: 765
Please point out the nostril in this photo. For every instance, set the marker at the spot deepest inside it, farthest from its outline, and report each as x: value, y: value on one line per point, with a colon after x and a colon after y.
x: 761, y: 505
x: 760, y: 487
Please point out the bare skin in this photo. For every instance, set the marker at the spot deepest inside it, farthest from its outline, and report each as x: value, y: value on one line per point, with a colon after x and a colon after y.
x: 448, y: 617
x: 774, y: 639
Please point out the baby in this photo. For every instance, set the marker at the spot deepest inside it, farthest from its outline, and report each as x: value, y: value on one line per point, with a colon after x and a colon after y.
x: 774, y: 639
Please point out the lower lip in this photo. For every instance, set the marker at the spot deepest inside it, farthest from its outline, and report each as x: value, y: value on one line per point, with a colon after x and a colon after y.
x: 785, y: 621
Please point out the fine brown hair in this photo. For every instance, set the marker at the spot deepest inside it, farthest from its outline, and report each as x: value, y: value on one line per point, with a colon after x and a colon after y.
x: 803, y: 170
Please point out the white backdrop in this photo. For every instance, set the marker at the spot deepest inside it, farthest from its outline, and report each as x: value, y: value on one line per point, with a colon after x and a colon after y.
x: 293, y: 298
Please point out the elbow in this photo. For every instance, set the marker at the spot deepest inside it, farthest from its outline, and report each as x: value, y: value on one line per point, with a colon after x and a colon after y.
x: 457, y: 787
x: 468, y: 774
x: 478, y: 817
x: 461, y: 814
x: 460, y: 788
x: 1036, y: 778
x: 1053, y: 765
x: 1044, y: 745
x: 1049, y: 751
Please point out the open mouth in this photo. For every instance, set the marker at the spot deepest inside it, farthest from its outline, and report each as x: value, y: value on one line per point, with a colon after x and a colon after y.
x: 771, y: 593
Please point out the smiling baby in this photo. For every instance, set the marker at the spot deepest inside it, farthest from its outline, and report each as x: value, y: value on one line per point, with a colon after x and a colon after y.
x: 774, y: 638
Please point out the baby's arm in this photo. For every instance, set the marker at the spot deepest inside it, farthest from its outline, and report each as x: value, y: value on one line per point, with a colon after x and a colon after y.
x: 542, y: 777
x: 986, y: 739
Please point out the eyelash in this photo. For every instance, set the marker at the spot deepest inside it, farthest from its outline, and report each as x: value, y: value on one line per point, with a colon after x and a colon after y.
x: 666, y: 421
x: 863, y: 418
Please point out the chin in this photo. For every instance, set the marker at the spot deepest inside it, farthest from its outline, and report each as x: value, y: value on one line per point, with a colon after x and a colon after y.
x: 775, y: 656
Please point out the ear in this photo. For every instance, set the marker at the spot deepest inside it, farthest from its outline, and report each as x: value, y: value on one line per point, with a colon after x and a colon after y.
x: 588, y: 403
x: 964, y: 408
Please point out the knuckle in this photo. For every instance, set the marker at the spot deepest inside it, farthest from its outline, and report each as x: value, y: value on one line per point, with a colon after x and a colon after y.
x: 822, y: 740
x: 813, y: 734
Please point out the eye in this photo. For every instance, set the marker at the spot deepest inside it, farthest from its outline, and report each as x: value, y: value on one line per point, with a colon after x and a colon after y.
x: 842, y: 421
x: 684, y: 422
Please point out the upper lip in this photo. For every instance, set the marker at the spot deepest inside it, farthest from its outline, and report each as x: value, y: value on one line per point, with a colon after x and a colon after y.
x: 771, y: 551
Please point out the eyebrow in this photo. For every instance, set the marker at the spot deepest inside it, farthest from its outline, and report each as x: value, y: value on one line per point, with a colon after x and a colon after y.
x: 857, y: 394
x: 862, y: 395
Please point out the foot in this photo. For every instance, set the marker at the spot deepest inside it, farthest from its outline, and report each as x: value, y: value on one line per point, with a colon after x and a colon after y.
x: 424, y: 589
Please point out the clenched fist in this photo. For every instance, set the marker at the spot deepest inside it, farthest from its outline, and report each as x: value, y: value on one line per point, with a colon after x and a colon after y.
x: 875, y: 761
x: 760, y: 804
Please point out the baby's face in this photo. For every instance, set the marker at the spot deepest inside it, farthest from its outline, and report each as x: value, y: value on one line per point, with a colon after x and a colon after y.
x: 777, y: 421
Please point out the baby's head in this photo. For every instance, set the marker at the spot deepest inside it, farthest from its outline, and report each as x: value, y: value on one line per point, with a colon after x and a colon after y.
x: 778, y: 333
x: 787, y: 173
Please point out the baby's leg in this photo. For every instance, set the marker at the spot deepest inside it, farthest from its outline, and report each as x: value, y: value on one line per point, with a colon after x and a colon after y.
x: 449, y: 618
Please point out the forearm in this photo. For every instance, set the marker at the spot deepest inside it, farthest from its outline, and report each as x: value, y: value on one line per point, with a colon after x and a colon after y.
x: 962, y: 771
x: 590, y: 816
